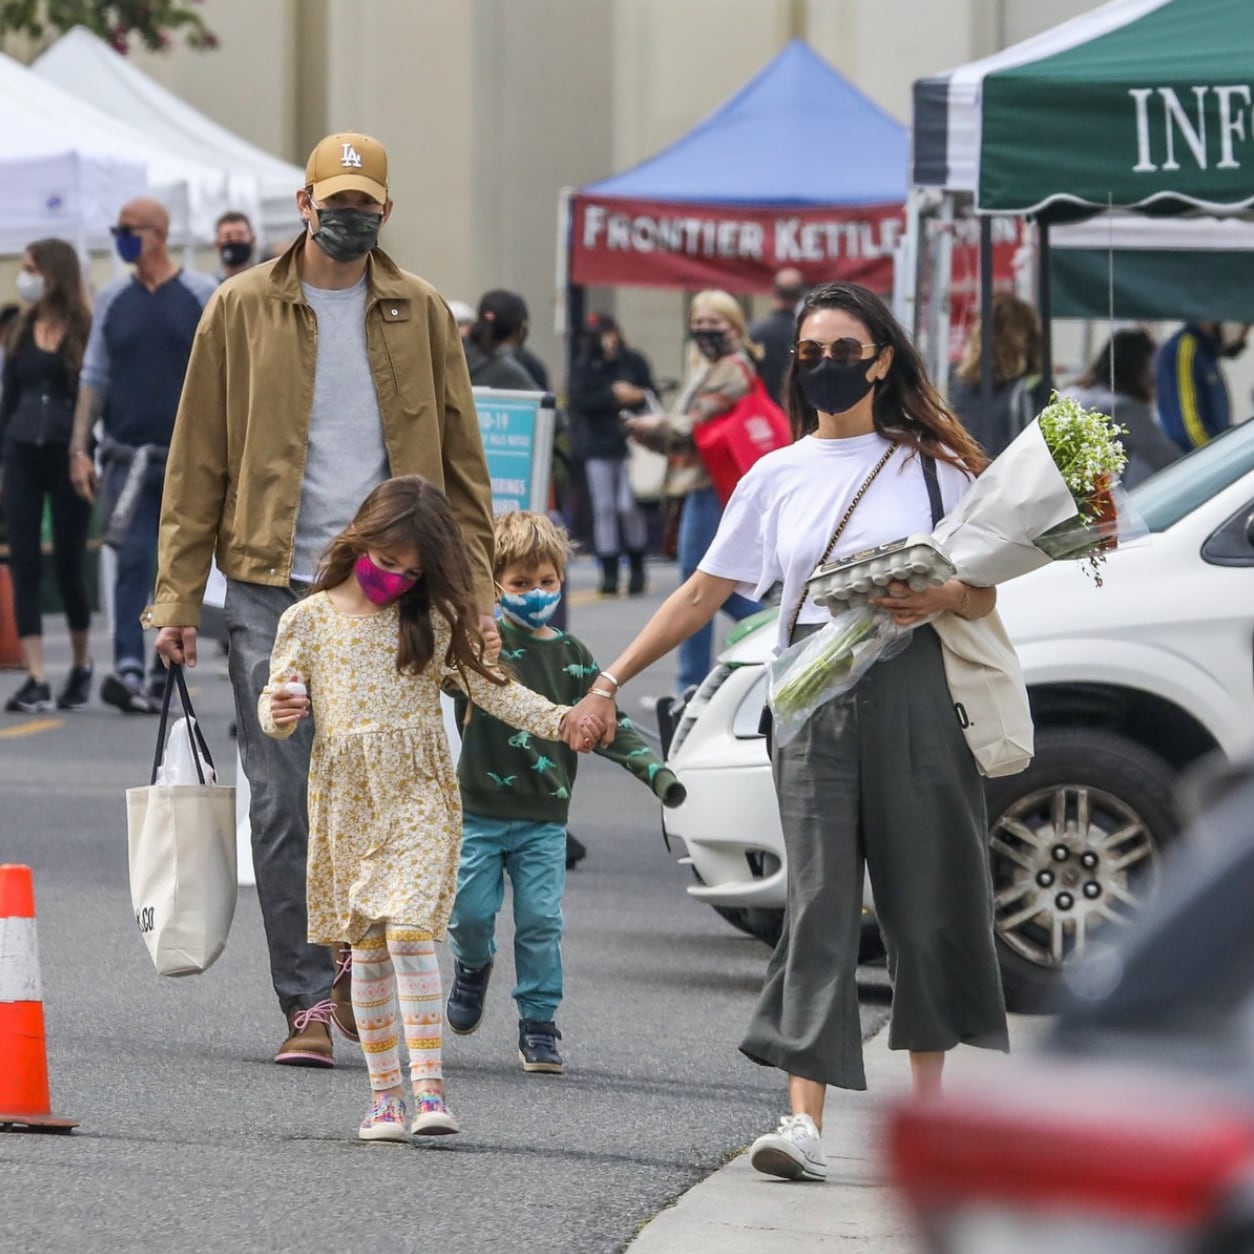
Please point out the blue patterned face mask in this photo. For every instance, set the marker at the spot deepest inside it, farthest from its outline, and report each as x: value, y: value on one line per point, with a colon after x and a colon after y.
x: 531, y: 610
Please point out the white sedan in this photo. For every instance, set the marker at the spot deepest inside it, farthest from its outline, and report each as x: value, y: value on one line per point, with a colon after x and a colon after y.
x: 1131, y: 683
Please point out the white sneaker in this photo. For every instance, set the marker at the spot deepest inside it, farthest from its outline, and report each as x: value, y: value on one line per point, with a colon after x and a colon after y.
x: 794, y: 1151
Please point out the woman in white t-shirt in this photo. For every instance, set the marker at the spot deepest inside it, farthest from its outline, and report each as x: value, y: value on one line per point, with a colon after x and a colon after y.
x: 881, y: 779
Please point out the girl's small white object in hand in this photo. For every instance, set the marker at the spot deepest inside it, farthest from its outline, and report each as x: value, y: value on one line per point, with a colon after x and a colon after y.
x: 294, y: 688
x: 289, y: 701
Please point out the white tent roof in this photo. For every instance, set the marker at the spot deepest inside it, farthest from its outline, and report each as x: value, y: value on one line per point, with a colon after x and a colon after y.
x: 85, y: 65
x: 41, y: 120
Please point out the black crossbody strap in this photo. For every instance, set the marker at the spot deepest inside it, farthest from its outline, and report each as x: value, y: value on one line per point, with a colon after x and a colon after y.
x: 200, y: 748
x: 840, y: 528
x: 933, y: 488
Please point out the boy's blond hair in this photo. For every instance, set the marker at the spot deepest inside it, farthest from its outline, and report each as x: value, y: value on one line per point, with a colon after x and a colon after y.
x: 524, y: 538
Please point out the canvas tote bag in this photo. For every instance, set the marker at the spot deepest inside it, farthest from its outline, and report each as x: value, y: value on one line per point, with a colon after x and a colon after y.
x: 988, y: 692
x: 181, y: 836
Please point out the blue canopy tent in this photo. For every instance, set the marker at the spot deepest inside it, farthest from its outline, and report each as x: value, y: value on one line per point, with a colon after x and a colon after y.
x: 797, y: 168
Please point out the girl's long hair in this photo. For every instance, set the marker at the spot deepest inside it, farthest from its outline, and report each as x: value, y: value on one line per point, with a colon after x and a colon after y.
x: 411, y: 512
x: 501, y: 316
x: 907, y: 408
x: 64, y: 300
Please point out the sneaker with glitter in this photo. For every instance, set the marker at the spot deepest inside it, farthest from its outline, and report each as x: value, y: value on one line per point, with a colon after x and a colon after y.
x: 385, y: 1120
x: 432, y: 1117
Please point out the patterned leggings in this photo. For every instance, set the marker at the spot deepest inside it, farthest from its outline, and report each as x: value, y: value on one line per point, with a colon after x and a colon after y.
x: 390, y: 961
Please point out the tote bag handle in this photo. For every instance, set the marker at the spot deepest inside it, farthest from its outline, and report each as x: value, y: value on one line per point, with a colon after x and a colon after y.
x: 200, y: 749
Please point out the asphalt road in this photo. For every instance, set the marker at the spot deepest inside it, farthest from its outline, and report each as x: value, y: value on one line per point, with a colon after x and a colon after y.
x: 191, y: 1139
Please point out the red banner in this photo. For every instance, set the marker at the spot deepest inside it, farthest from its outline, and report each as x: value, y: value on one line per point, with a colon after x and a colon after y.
x: 641, y: 243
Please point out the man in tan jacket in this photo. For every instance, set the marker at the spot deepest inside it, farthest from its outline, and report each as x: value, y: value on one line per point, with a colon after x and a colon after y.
x: 312, y: 378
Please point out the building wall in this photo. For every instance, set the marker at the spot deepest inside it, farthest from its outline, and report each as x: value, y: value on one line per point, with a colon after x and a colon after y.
x: 490, y: 107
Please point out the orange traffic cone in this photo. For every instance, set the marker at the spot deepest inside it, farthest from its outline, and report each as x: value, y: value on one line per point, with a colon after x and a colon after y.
x: 23, y: 1056
x: 10, y: 649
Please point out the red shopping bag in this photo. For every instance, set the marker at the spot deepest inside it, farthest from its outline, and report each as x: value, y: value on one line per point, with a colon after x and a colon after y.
x: 732, y: 442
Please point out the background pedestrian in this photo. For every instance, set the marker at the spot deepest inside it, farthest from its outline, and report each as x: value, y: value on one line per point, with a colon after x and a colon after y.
x: 608, y: 380
x: 235, y: 243
x: 1020, y: 391
x: 493, y: 343
x: 775, y: 332
x: 38, y: 391
x: 721, y: 371
x: 1120, y: 382
x: 1193, y: 401
x: 132, y: 377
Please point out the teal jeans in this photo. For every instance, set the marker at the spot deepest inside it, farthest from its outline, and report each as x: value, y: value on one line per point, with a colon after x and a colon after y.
x: 534, y: 856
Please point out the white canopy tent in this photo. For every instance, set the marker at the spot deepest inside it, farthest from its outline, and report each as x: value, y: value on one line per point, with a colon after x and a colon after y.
x: 82, y: 63
x: 42, y: 122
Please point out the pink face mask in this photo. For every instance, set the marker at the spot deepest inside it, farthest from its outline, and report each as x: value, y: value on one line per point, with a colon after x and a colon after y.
x: 380, y: 586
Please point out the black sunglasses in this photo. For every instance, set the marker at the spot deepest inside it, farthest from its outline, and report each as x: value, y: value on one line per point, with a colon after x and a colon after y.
x: 127, y: 229
x: 843, y: 352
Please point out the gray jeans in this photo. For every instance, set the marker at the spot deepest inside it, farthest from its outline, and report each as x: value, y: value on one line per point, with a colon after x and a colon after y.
x: 278, y: 775
x: 618, y: 525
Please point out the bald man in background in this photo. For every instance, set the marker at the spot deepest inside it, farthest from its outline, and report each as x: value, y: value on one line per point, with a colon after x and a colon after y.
x: 132, y: 375
x: 775, y: 332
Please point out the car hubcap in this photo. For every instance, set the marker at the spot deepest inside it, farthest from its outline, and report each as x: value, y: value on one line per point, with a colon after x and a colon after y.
x: 1068, y: 861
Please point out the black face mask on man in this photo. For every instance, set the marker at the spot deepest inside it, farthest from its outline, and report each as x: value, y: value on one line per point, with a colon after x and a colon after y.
x: 235, y: 252
x: 710, y: 344
x: 834, y: 389
x: 346, y: 234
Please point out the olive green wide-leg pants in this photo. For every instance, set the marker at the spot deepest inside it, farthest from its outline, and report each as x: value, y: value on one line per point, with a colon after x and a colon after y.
x: 881, y: 780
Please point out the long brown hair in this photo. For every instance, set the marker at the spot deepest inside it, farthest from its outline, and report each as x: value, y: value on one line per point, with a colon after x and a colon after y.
x: 63, y: 300
x: 410, y: 511
x: 1017, y: 343
x: 907, y: 408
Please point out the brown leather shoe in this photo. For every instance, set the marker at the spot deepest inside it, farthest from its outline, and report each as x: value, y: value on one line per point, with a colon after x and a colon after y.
x: 342, y: 992
x: 308, y: 1041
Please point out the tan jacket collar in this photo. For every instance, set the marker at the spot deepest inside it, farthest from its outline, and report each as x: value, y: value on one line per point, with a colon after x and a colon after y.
x: 383, y: 276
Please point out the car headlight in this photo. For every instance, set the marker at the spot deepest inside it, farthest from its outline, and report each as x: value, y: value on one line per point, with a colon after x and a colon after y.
x: 747, y: 723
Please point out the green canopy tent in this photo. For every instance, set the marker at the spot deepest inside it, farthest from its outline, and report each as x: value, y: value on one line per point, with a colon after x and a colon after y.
x: 1140, y: 107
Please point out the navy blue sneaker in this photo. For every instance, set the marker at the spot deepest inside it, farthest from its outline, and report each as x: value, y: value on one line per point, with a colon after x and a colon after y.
x: 537, y: 1046
x: 464, y: 1011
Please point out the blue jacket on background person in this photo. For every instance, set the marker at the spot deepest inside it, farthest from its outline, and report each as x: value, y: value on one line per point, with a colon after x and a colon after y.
x: 1193, y: 405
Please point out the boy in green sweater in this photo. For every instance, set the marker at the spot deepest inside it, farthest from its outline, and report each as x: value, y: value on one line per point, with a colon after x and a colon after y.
x: 516, y: 796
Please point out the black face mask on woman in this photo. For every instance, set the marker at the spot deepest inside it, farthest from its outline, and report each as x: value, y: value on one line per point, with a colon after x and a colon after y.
x: 833, y: 389
x: 711, y: 344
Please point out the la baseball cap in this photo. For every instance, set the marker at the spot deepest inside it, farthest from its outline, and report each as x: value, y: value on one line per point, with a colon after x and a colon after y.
x: 348, y: 163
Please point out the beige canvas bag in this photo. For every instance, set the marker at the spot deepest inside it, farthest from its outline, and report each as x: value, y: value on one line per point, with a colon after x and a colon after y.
x: 181, y: 838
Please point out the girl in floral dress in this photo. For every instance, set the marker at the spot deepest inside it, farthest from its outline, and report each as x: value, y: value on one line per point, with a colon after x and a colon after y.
x: 391, y: 619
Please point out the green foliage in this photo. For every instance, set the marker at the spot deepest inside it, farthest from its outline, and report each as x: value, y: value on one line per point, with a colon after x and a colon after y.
x: 118, y: 22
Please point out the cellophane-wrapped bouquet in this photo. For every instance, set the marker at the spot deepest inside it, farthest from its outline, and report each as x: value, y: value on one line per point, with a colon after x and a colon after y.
x: 1053, y: 495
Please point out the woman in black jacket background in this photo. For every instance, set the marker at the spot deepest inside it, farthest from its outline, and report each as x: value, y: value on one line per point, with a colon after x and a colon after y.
x: 38, y: 392
x: 608, y: 378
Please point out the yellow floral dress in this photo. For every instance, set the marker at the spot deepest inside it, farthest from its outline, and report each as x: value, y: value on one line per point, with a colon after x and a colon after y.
x: 385, y: 816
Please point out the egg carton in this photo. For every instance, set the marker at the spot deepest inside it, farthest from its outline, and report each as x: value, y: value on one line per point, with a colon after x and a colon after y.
x: 916, y: 561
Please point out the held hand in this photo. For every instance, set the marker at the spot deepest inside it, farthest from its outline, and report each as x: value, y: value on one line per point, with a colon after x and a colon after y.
x: 598, y: 718
x: 83, y: 475
x: 910, y: 608
x: 177, y: 645
x: 491, y: 639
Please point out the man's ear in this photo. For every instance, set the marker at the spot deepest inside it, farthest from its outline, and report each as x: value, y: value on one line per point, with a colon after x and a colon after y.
x: 305, y: 206
x: 387, y: 212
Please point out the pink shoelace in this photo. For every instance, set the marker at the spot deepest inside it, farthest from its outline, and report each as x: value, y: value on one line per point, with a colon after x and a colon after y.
x: 321, y: 1013
x: 343, y: 967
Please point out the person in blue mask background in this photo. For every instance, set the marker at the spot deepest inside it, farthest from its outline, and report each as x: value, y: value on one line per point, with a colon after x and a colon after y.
x: 132, y: 377
x: 516, y: 795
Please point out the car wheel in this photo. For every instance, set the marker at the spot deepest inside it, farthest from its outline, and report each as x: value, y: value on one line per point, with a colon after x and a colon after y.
x: 755, y: 921
x: 1075, y: 844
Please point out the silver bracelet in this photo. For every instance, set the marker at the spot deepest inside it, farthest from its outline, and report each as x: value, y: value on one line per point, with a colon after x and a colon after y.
x: 613, y: 679
x: 600, y: 692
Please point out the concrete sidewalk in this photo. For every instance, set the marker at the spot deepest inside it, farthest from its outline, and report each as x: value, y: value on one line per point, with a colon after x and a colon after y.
x: 738, y: 1211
